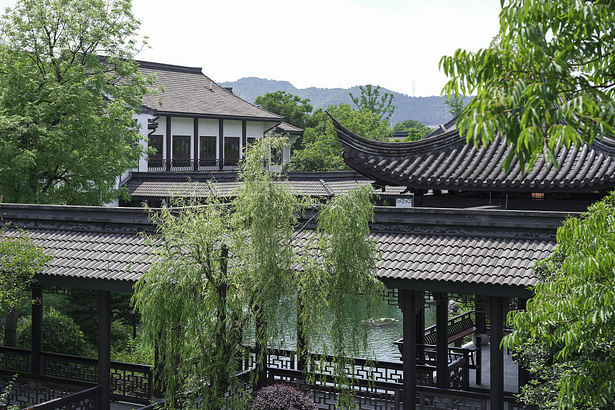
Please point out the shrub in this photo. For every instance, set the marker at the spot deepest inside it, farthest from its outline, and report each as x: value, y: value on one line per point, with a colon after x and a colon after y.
x: 60, y: 333
x: 282, y: 397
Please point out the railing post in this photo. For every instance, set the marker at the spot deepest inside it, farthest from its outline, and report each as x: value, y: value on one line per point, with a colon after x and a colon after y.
x: 37, y: 329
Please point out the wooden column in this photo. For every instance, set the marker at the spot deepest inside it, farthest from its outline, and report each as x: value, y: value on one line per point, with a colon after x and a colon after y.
x: 104, y: 348
x: 496, y: 355
x: 523, y: 376
x: 479, y: 309
x: 37, y: 328
x: 420, y: 325
x: 301, y: 345
x: 407, y: 304
x: 195, y: 145
x: 442, y: 339
x: 168, y: 142
x: 221, y: 144
x: 244, y: 135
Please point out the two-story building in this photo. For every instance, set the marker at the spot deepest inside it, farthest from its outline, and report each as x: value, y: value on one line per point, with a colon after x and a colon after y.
x: 194, y: 124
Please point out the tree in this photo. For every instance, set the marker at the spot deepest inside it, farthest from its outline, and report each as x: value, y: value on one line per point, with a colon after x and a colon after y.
x: 20, y: 260
x: 222, y: 266
x: 296, y: 111
x: 547, y: 78
x: 567, y: 335
x: 322, y: 150
x: 371, y: 100
x: 416, y: 129
x: 69, y: 91
x: 455, y: 105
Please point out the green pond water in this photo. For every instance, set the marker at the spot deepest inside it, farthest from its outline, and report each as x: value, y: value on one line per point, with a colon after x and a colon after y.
x: 381, y: 332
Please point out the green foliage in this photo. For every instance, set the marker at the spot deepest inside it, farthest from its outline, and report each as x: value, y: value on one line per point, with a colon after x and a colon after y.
x: 296, y: 111
x: 339, y: 275
x: 60, y: 334
x: 136, y: 350
x: 416, y: 129
x: 225, y: 266
x: 570, y: 321
x: 546, y: 79
x: 371, y: 100
x: 322, y: 150
x: 455, y: 105
x: 20, y: 260
x: 66, y: 112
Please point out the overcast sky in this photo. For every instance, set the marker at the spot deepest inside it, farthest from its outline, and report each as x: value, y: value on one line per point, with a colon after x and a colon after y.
x: 320, y: 43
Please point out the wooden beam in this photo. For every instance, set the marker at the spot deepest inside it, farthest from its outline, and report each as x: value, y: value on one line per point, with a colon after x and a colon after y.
x: 37, y: 328
x: 104, y: 348
x: 442, y: 339
x: 407, y: 304
x: 496, y: 372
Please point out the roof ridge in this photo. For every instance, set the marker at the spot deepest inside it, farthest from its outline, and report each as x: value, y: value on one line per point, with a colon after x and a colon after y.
x: 169, y: 67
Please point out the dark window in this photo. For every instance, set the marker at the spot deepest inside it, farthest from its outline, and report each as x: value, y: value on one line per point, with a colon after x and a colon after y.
x: 276, y: 156
x: 154, y: 159
x: 207, y: 154
x: 231, y: 150
x: 181, y: 151
x: 251, y: 140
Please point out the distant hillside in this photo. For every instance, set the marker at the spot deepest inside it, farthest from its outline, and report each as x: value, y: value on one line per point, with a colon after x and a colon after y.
x: 428, y: 110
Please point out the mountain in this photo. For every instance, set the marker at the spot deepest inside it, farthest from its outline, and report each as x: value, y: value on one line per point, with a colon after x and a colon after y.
x: 429, y: 110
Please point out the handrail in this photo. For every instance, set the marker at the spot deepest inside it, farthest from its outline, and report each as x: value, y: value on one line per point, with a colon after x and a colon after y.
x: 72, y: 400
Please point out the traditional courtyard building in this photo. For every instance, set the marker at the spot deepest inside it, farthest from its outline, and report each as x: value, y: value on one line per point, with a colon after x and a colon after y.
x: 193, y: 124
x: 472, y: 233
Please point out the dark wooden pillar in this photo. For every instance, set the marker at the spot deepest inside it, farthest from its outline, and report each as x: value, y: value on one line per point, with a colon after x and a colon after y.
x: 496, y: 316
x: 523, y: 375
x: 301, y: 345
x: 442, y: 339
x: 104, y: 348
x: 244, y: 136
x: 420, y: 326
x: 168, y: 142
x: 479, y: 312
x: 221, y: 144
x: 37, y: 328
x: 407, y: 304
x: 195, y: 145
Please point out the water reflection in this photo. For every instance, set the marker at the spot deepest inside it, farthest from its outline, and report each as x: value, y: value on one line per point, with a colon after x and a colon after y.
x: 381, y: 331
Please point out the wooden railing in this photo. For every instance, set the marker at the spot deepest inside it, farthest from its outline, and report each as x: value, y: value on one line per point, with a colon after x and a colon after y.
x: 82, y: 400
x: 129, y: 381
x: 27, y: 389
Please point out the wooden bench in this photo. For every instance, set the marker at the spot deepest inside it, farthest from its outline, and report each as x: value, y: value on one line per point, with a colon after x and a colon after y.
x: 458, y: 327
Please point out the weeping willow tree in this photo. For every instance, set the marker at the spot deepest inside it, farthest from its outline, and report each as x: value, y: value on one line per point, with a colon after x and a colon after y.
x: 225, y: 266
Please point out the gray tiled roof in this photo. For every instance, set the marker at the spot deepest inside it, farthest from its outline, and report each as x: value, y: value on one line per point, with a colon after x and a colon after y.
x: 494, y: 251
x: 186, y: 90
x: 472, y: 260
x: 285, y: 127
x: 444, y: 161
x: 165, y: 186
x: 106, y: 256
